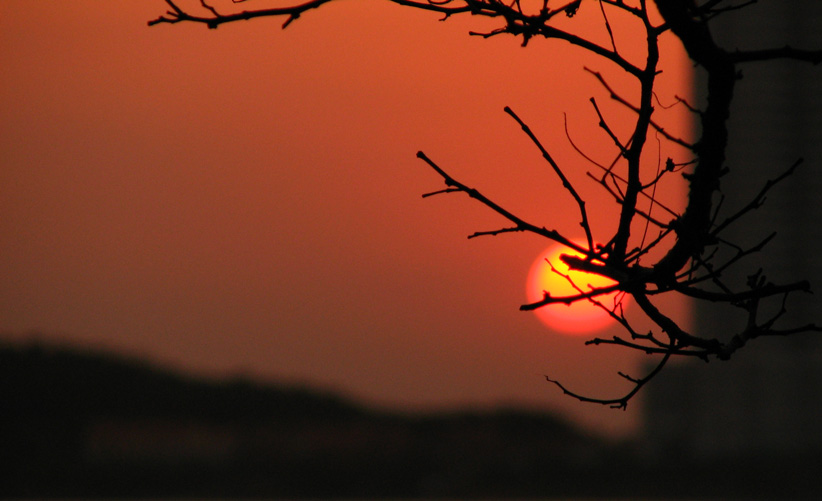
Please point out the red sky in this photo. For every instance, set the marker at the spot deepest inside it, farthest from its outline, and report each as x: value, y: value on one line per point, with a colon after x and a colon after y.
x: 247, y: 200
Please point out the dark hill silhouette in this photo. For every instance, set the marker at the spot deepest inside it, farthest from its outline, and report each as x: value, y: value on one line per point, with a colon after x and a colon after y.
x: 80, y: 385
x: 92, y: 424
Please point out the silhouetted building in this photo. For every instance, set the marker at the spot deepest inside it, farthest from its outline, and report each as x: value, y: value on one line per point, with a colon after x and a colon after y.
x: 768, y: 398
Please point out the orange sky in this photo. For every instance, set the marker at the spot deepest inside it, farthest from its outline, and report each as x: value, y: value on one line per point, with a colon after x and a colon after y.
x: 247, y: 200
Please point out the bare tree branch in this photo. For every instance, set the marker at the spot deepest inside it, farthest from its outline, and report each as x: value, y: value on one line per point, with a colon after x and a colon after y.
x: 694, y: 253
x: 565, y: 182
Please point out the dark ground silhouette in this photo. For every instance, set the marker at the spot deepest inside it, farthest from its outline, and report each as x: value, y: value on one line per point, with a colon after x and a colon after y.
x: 77, y: 424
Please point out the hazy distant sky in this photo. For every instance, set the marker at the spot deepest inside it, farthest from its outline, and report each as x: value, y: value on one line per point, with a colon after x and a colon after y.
x: 247, y: 200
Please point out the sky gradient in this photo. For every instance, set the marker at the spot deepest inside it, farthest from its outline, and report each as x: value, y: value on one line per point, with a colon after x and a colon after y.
x: 247, y: 200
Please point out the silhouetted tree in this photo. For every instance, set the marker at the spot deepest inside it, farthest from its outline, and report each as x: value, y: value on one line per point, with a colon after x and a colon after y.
x: 688, y: 255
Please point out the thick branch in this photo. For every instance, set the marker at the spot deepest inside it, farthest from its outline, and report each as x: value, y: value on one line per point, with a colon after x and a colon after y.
x: 693, y: 227
x: 634, y: 154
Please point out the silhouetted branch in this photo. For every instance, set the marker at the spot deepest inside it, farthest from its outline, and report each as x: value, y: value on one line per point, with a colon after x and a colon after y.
x: 621, y: 402
x: 494, y: 233
x: 565, y: 182
x: 689, y: 243
x: 616, y: 97
x: 521, y: 225
x: 177, y: 15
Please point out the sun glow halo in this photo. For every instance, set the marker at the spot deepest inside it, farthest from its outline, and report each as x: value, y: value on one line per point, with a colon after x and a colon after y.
x: 548, y: 274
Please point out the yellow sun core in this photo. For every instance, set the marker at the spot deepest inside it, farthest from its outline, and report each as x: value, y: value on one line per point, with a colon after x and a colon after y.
x: 550, y: 274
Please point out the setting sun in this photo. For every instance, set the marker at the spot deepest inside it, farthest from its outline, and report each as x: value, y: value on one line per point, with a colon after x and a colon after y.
x: 550, y: 274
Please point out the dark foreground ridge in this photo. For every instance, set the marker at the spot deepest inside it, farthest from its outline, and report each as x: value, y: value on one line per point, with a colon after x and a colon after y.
x: 76, y: 424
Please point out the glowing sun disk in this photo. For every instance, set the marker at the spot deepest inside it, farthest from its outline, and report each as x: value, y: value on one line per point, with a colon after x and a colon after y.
x: 550, y: 274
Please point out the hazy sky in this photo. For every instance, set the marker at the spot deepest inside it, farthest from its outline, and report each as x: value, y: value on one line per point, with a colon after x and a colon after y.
x: 247, y: 200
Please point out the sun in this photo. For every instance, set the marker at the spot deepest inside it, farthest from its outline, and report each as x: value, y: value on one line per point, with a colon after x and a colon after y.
x: 548, y: 274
